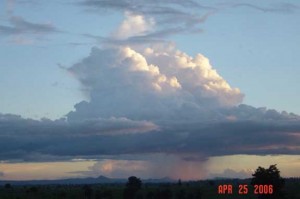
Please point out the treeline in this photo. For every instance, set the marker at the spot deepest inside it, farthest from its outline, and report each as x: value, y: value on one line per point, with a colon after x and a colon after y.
x: 206, y: 189
x: 271, y: 186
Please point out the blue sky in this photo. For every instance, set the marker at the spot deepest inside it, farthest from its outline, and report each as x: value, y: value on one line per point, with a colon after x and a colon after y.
x: 243, y: 44
x: 56, y: 59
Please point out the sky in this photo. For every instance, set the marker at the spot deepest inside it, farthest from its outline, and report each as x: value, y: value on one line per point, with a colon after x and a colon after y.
x: 183, y: 89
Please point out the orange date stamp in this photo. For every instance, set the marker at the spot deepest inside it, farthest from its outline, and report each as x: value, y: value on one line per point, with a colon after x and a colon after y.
x: 243, y: 189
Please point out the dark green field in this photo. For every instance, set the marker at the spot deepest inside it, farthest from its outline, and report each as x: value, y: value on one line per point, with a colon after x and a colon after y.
x: 184, y: 190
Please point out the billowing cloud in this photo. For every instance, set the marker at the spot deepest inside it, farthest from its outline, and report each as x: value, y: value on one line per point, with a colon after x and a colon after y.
x: 155, y: 83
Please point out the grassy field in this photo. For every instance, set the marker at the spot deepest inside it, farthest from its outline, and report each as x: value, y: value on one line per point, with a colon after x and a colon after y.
x: 184, y: 190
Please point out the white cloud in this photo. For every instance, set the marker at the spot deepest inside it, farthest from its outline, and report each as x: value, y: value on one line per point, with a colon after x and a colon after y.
x: 117, y: 126
x: 134, y: 25
x: 159, y: 82
x: 195, y: 74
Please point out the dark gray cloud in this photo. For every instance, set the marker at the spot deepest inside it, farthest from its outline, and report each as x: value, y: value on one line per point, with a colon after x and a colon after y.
x: 46, y: 139
x: 142, y: 5
x: 32, y: 140
x: 18, y: 25
x: 31, y: 2
x: 171, y: 17
x: 7, y: 30
x: 21, y: 31
x: 279, y: 8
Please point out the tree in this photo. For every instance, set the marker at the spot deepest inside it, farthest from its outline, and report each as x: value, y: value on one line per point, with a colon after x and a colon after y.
x: 132, y: 186
x: 88, y: 191
x: 166, y: 193
x: 7, y: 186
x: 270, y: 176
x: 134, y: 183
x: 179, y: 183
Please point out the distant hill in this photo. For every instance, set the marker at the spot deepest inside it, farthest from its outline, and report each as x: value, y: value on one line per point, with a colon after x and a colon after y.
x: 78, y: 181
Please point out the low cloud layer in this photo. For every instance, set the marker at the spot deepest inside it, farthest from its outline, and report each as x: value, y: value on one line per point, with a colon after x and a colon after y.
x: 46, y: 140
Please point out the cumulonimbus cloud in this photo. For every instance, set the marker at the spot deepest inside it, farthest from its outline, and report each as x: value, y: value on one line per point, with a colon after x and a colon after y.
x: 150, y: 101
x: 156, y: 83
